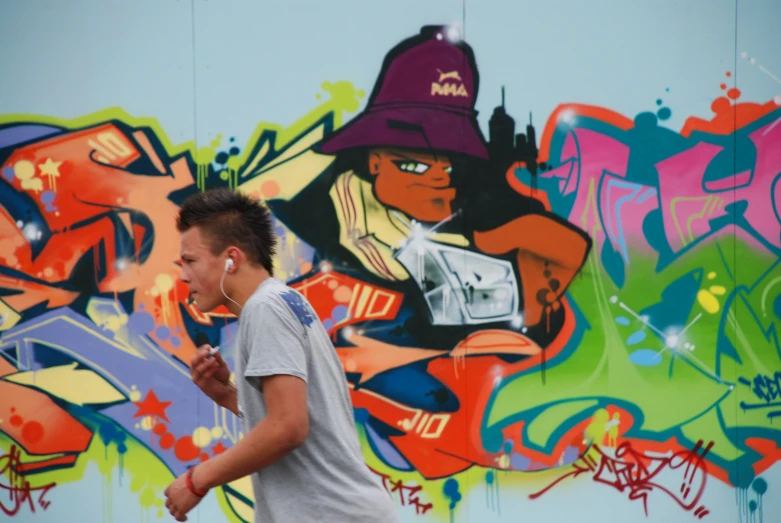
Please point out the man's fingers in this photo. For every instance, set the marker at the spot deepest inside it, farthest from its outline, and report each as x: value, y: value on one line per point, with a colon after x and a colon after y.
x: 206, y: 369
x: 201, y: 354
x: 203, y: 357
x: 203, y: 364
x: 218, y: 358
x: 197, y: 358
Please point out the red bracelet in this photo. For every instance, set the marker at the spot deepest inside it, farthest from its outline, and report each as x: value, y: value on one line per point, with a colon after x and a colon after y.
x: 190, y: 483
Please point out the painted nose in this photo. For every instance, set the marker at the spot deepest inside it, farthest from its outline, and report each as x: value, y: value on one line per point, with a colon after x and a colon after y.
x: 440, y: 177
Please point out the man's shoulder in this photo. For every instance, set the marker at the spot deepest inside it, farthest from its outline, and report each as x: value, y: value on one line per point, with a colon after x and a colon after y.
x: 285, y: 300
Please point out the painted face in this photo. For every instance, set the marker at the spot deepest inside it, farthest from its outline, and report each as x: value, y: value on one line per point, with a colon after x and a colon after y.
x: 415, y: 183
x: 201, y: 270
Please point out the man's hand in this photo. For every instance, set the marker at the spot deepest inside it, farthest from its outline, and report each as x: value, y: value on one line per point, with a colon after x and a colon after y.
x: 212, y: 375
x: 209, y: 372
x: 178, y: 498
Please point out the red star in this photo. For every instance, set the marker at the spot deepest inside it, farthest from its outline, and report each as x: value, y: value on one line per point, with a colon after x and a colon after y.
x: 218, y: 448
x: 151, y: 406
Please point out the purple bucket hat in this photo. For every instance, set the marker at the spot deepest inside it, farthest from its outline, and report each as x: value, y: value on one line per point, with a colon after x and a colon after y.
x: 423, y: 99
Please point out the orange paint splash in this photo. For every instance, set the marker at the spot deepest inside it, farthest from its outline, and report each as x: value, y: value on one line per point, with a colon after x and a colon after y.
x: 185, y: 449
x: 32, y: 432
x: 734, y: 93
x: 167, y: 441
x: 728, y: 117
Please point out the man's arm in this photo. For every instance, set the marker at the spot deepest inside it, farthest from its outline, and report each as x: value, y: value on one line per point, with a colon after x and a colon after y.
x: 229, y: 400
x: 285, y: 427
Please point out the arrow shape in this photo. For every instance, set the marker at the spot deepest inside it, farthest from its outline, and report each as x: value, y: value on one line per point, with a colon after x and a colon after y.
x: 371, y: 357
x: 79, y: 387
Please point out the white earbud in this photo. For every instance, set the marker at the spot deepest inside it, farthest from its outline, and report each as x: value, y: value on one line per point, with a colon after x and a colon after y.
x: 228, y: 265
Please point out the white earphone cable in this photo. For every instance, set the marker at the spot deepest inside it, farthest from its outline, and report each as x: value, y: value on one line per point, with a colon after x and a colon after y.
x: 222, y: 279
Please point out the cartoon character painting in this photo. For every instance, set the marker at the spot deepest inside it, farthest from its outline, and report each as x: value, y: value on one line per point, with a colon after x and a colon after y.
x: 443, y: 293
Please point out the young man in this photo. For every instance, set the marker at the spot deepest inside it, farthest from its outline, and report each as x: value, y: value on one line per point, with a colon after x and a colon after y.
x: 300, y: 445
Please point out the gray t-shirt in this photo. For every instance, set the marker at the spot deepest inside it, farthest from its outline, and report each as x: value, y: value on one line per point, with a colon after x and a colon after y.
x: 325, y: 479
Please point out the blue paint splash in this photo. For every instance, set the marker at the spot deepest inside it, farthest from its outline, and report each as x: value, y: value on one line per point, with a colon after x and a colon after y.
x: 760, y: 487
x: 492, y: 491
x: 451, y: 492
x: 645, y: 357
x: 162, y: 332
x: 47, y: 197
x: 636, y: 337
x: 109, y: 433
x: 339, y: 313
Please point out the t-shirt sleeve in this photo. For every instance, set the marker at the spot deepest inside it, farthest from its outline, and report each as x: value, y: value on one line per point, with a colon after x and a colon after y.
x: 277, y: 342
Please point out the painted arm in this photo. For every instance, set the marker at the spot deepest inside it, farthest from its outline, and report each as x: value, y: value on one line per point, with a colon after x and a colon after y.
x: 549, y: 253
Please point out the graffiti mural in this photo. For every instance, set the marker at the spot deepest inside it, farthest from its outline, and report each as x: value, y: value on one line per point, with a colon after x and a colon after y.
x: 592, y: 302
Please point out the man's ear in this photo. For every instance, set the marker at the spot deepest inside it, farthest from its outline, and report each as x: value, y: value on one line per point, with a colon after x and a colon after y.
x: 374, y: 163
x: 233, y: 253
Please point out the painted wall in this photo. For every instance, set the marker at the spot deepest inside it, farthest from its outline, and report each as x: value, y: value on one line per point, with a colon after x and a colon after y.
x: 589, y: 334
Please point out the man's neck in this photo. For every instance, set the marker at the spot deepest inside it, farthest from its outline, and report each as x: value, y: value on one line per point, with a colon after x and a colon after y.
x: 244, y: 287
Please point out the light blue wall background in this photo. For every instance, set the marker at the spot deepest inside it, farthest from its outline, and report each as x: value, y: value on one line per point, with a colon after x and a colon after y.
x: 208, y: 66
